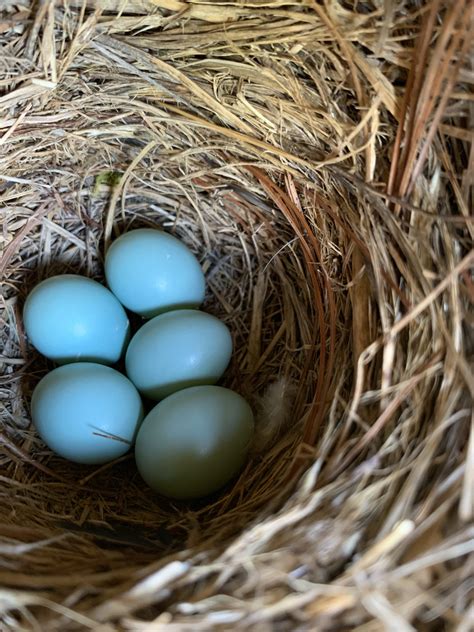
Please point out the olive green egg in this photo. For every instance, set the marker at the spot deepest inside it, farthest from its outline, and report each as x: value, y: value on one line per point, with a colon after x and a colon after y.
x: 194, y: 441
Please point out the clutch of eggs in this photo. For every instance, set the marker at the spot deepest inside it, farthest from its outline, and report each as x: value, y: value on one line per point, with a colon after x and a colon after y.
x: 195, y: 440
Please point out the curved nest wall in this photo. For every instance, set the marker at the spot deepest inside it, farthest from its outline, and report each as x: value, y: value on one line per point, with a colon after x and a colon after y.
x: 317, y: 158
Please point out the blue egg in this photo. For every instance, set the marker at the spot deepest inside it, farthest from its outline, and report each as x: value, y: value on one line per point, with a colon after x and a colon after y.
x: 87, y: 413
x: 69, y: 318
x: 193, y: 442
x: 151, y: 272
x: 176, y: 350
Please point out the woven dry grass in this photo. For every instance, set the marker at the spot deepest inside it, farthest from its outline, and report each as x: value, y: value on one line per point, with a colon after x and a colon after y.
x: 318, y: 158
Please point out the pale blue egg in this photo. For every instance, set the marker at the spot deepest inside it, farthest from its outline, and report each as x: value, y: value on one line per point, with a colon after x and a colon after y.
x: 193, y: 442
x: 71, y: 318
x: 176, y: 350
x: 86, y: 412
x: 151, y: 272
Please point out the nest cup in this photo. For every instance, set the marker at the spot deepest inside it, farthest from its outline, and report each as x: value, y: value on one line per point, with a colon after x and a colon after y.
x: 315, y: 158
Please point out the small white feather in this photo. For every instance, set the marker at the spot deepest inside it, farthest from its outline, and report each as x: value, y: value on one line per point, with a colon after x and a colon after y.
x: 273, y: 413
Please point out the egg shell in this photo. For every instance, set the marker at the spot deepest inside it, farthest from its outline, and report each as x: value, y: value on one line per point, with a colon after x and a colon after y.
x: 151, y: 272
x: 71, y: 318
x: 86, y: 412
x: 177, y: 350
x: 193, y: 442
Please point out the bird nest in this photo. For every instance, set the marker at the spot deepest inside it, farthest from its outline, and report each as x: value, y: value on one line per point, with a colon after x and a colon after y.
x: 315, y: 156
